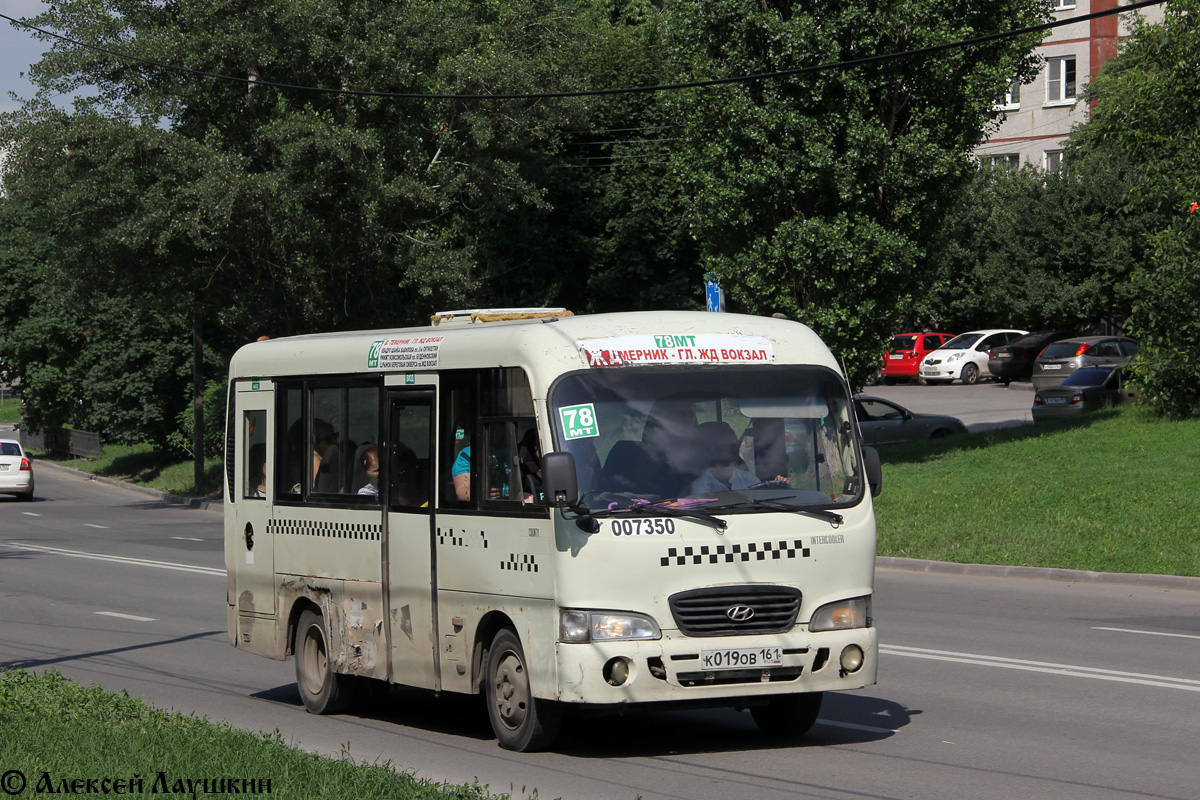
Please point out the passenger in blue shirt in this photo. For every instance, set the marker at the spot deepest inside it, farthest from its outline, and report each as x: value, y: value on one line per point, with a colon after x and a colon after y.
x: 461, y: 474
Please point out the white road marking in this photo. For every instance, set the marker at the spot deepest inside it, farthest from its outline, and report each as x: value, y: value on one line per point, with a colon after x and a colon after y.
x: 1159, y: 681
x: 187, y: 538
x: 125, y: 616
x: 1149, y: 633
x: 30, y: 514
x: 94, y: 525
x: 139, y: 562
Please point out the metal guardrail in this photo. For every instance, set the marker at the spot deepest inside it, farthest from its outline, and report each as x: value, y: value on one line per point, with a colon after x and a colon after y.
x: 63, y: 441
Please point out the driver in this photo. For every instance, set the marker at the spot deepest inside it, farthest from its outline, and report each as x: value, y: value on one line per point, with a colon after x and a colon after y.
x: 719, y: 445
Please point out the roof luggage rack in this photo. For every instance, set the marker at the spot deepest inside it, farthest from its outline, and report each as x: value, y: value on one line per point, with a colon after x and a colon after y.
x: 474, y: 315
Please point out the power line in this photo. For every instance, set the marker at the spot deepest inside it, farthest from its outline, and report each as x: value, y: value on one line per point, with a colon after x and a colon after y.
x: 857, y: 62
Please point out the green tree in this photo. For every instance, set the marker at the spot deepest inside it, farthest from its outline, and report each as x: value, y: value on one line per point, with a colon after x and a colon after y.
x: 1146, y: 120
x: 219, y: 211
x: 815, y: 195
x: 1034, y: 250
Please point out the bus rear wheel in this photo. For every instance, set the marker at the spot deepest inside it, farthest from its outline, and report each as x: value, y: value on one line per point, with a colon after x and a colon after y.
x: 789, y: 714
x: 322, y: 690
x: 521, y: 721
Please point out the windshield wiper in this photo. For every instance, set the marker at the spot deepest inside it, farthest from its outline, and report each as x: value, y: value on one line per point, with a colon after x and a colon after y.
x: 832, y: 517
x: 661, y: 507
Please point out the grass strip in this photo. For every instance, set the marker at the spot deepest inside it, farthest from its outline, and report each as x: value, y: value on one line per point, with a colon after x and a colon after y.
x: 1110, y: 492
x: 141, y: 464
x: 52, y: 729
x: 10, y: 410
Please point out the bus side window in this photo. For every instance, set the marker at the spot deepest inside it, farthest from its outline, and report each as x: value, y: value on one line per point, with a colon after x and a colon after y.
x: 254, y: 470
x: 458, y: 467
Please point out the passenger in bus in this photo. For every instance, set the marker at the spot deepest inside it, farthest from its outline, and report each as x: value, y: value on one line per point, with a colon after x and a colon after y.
x: 530, y: 454
x: 460, y: 473
x: 663, y: 463
x: 368, y: 465
x: 326, y: 455
x: 726, y: 470
x: 258, y: 470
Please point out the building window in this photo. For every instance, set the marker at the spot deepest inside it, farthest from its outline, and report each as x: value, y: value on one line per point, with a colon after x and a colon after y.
x: 1006, y: 160
x: 1053, y: 160
x: 1011, y: 99
x: 1063, y: 5
x: 1060, y: 80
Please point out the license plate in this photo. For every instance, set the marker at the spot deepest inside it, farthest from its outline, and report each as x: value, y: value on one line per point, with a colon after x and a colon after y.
x: 1056, y: 400
x: 1051, y: 366
x: 3, y: 467
x: 895, y: 356
x: 742, y: 658
x: 1003, y: 355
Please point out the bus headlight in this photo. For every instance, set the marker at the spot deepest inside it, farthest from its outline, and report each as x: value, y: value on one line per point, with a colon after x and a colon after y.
x: 842, y: 615
x: 577, y: 626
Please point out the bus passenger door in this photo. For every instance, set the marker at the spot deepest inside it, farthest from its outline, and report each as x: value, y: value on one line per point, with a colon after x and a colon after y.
x: 250, y: 554
x: 408, y: 543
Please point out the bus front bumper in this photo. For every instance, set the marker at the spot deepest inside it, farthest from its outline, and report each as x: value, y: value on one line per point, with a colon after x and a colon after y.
x: 706, y: 670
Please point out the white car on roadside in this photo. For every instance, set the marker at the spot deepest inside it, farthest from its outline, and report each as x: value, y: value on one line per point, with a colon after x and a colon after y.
x: 965, y: 357
x: 16, y: 470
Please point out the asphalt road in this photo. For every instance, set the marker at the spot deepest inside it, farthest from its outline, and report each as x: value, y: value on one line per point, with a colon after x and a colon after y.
x: 989, y: 687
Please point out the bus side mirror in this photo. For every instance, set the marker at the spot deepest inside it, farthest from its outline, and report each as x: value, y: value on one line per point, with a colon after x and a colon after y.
x: 562, y: 489
x: 874, y: 470
x: 559, y: 480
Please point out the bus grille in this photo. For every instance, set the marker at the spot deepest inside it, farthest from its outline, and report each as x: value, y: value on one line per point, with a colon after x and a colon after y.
x: 722, y: 611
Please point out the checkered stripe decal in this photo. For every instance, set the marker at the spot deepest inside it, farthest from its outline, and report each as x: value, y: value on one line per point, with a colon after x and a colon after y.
x: 459, y: 538
x: 326, y: 530
x: 727, y: 554
x: 520, y: 563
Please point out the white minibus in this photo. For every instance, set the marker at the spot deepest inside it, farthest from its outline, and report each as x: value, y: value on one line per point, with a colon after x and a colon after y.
x: 561, y: 513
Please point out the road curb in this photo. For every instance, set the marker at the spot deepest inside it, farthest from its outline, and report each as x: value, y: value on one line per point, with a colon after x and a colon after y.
x: 202, y: 503
x: 1143, y: 580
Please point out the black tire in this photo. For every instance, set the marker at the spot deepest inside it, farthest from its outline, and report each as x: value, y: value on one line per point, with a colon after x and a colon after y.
x: 789, y: 714
x: 940, y: 433
x: 521, y: 722
x: 970, y: 375
x: 322, y: 690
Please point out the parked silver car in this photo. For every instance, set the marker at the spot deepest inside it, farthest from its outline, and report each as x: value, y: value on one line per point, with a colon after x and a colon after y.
x: 1060, y: 359
x: 1088, y: 389
x: 883, y: 422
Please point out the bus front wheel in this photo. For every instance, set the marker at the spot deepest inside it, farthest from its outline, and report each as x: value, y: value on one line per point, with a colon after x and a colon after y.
x: 788, y: 714
x: 521, y: 721
x: 322, y: 690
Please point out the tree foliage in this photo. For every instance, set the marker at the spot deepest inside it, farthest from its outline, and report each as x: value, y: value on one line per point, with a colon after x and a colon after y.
x: 1146, y: 123
x: 1034, y: 250
x: 170, y: 204
x: 815, y: 195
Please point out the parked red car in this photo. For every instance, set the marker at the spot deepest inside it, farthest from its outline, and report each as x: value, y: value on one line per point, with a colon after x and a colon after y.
x: 903, y: 357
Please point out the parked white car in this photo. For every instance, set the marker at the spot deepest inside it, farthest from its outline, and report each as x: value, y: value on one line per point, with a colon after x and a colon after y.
x: 16, y: 470
x: 965, y: 357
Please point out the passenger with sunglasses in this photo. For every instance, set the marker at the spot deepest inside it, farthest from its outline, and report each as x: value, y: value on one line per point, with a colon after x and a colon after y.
x: 726, y: 471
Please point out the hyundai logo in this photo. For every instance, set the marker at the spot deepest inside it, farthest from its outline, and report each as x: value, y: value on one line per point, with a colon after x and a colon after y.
x: 739, y: 613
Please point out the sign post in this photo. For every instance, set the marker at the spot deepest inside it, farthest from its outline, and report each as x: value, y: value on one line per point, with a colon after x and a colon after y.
x: 714, y: 295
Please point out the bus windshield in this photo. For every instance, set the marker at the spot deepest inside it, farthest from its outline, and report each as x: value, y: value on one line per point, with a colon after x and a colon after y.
x: 747, y: 438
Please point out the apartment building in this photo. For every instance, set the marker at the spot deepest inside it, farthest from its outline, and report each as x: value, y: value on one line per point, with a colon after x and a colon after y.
x: 1039, y: 115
